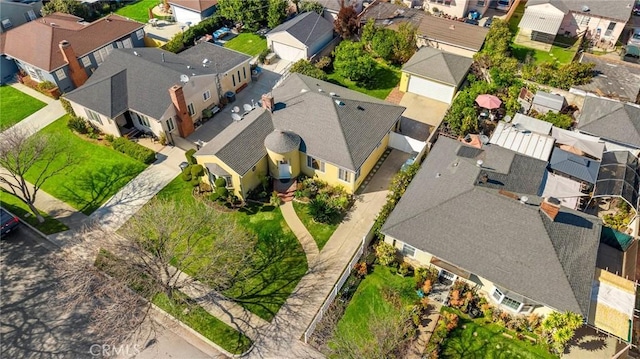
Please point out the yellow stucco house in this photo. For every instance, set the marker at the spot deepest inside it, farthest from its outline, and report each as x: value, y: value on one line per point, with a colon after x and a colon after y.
x: 305, y: 126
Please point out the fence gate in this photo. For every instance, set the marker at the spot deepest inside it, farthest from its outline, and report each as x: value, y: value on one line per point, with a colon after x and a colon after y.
x: 405, y: 143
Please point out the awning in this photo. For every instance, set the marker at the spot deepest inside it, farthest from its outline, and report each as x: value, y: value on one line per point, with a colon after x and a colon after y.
x: 541, y: 21
x: 589, y: 145
x: 566, y: 190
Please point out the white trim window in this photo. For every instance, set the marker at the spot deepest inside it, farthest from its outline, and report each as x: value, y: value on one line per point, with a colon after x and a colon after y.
x: 509, y: 303
x: 101, y: 54
x: 315, y: 164
x: 60, y: 75
x: 30, y: 15
x: 206, y: 95
x: 408, y: 251
x: 140, y: 34
x: 35, y: 74
x: 143, y: 120
x: 344, y: 175
x: 93, y: 116
x: 170, y: 124
x: 86, y: 61
x: 229, y: 181
x: 610, y: 28
x: 191, y: 109
x: 6, y: 23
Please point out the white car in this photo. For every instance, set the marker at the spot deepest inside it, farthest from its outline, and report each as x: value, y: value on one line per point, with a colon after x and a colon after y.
x: 503, y: 5
x: 634, y: 39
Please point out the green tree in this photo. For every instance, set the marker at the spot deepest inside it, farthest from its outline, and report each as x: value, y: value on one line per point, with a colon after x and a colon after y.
x: 405, y: 43
x: 72, y: 7
x: 305, y: 67
x: 559, y: 328
x: 353, y: 63
x: 277, y: 12
x: 306, y: 6
x: 368, y: 32
x: 383, y: 43
x: 251, y: 13
x: 346, y: 23
x: 386, y: 253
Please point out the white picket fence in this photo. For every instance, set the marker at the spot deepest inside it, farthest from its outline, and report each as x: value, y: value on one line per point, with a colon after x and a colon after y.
x: 336, y: 288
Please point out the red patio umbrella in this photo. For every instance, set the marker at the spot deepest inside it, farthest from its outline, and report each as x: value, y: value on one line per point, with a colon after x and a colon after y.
x: 488, y: 101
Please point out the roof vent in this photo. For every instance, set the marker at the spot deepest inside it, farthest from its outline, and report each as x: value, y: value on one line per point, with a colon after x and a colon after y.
x: 320, y: 90
x: 360, y: 108
x: 339, y: 103
x: 479, y: 163
x: 332, y: 93
x: 162, y: 56
x: 452, y: 27
x: 585, y: 8
x: 303, y: 90
x: 484, y: 178
x: 136, y: 53
x: 53, y: 24
x: 524, y: 199
x: 189, y: 66
x: 438, y: 175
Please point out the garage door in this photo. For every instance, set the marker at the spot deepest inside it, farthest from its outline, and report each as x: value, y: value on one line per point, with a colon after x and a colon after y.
x: 431, y: 89
x: 184, y: 15
x: 288, y: 53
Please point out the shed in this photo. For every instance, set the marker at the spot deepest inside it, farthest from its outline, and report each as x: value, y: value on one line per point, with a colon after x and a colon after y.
x: 301, y: 37
x: 192, y: 12
x: 574, y: 166
x: 544, y: 102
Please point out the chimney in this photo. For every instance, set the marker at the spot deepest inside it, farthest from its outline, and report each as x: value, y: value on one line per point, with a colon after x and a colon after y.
x: 550, y: 206
x: 77, y: 74
x: 185, y: 122
x: 267, y: 102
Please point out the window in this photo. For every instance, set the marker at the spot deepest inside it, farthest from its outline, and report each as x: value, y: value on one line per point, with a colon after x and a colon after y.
x: 191, y: 110
x: 357, y: 174
x: 206, y: 95
x: 480, y: 2
x: 233, y: 77
x: 229, y: 181
x: 583, y: 20
x: 408, y: 251
x: 35, y: 75
x: 140, y: 34
x: 102, y: 54
x: 244, y: 72
x: 30, y: 15
x: 239, y: 76
x: 170, y: 125
x: 93, y: 116
x: 127, y: 43
x: 142, y: 120
x: 6, y: 23
x: 60, y: 75
x: 612, y: 25
x: 86, y: 61
x: 344, y: 175
x: 511, y: 303
x: 315, y: 164
x: 497, y: 295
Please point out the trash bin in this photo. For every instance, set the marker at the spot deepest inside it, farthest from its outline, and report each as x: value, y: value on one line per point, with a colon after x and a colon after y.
x: 231, y: 96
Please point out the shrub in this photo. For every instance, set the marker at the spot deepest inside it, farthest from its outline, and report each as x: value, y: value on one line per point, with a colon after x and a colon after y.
x: 386, y: 253
x: 263, y: 55
x: 78, y: 124
x: 186, y: 173
x: 214, y: 197
x: 450, y: 320
x: 197, y: 170
x: 220, y: 182
x: 222, y: 192
x: 361, y: 269
x: 67, y: 107
x: 109, y: 137
x: 305, y: 67
x: 189, y: 155
x: 46, y: 85
x: 187, y: 37
x: 274, y: 200
x: 427, y: 286
x: 134, y: 150
x: 322, y: 210
x: 405, y: 269
x: 323, y: 62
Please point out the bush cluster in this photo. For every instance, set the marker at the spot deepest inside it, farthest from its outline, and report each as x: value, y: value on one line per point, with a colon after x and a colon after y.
x: 187, y: 38
x: 134, y: 150
x: 67, y: 107
x: 327, y: 203
x: 78, y: 124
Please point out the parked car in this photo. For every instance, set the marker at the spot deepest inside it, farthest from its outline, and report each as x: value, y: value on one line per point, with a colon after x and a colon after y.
x: 488, y: 22
x: 474, y: 15
x: 471, y: 21
x: 8, y: 220
x: 504, y: 5
x: 636, y: 9
x: 634, y: 39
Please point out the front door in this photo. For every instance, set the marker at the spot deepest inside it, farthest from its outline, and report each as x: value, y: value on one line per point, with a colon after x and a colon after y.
x: 284, y: 169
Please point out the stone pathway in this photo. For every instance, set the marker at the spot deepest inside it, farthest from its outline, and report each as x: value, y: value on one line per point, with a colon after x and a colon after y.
x: 424, y: 332
x: 304, y: 237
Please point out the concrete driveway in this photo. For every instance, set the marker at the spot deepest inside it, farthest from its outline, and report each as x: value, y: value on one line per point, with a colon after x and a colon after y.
x: 423, y: 109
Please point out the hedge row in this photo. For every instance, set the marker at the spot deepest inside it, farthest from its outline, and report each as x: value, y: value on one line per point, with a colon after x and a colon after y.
x: 134, y: 150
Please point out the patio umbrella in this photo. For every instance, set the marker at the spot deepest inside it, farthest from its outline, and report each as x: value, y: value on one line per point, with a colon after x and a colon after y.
x: 488, y: 101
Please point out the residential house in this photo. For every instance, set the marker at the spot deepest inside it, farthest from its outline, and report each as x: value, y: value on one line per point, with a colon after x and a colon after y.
x: 391, y: 15
x: 156, y: 91
x: 613, y: 79
x: 192, y: 12
x: 599, y: 21
x: 456, y: 9
x: 301, y: 37
x: 332, y: 7
x: 305, y: 126
x: 434, y: 74
x: 544, y: 102
x: 451, y: 36
x: 65, y: 50
x: 14, y: 14
x: 612, y: 120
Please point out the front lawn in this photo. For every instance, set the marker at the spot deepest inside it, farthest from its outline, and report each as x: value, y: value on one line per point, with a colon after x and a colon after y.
x: 247, y: 43
x: 321, y: 232
x: 98, y: 174
x: 14, y: 205
x: 138, y: 10
x: 280, y: 261
x: 474, y: 338
x: 15, y: 106
x: 368, y: 303
x: 386, y: 78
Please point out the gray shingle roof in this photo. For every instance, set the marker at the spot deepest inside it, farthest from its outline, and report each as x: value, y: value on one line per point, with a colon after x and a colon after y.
x: 548, y: 100
x: 614, y: 78
x: 573, y: 165
x: 141, y: 82
x: 611, y: 119
x: 241, y: 144
x: 455, y: 33
x: 438, y: 65
x: 448, y: 213
x: 306, y: 27
x: 280, y: 141
x: 614, y: 9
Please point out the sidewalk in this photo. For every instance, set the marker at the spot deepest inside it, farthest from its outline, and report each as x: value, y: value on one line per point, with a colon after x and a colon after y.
x: 33, y: 93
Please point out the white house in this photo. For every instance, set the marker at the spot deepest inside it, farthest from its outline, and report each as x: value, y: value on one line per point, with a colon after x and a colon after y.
x: 192, y: 11
x: 301, y: 37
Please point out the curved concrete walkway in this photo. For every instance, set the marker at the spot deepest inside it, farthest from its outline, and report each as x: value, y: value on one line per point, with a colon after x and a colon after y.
x: 304, y: 237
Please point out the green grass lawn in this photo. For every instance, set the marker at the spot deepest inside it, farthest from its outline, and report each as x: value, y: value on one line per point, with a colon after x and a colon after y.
x: 319, y: 231
x: 247, y: 43
x: 204, y: 323
x: 14, y: 205
x: 516, y: 17
x: 138, y: 10
x: 280, y: 261
x: 99, y: 173
x: 15, y: 106
x: 488, y: 342
x: 386, y: 78
x: 367, y: 302
x: 559, y: 54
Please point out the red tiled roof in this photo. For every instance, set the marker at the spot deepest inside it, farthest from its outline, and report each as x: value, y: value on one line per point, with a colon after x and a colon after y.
x: 36, y: 42
x: 197, y: 5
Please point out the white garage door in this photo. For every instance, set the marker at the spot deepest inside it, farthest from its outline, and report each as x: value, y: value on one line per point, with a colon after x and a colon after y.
x: 288, y: 53
x: 431, y: 89
x: 183, y: 15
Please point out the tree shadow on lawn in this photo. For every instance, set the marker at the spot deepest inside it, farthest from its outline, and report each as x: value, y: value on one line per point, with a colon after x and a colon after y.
x: 90, y: 189
x: 522, y: 53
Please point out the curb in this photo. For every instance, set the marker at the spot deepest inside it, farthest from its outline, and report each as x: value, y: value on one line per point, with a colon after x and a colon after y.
x: 44, y: 236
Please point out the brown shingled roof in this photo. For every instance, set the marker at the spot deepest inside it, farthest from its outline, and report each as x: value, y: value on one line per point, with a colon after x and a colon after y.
x: 36, y: 42
x: 452, y: 32
x: 197, y: 5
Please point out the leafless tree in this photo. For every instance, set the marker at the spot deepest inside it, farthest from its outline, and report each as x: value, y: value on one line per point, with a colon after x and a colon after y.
x: 132, y: 267
x: 22, y: 152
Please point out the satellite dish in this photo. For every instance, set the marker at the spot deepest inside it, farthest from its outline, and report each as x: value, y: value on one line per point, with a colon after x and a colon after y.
x: 205, y: 61
x: 184, y: 79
